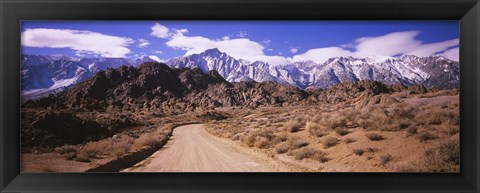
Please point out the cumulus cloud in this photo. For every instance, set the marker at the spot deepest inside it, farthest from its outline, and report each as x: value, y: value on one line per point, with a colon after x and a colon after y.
x: 452, y: 54
x: 242, y: 34
x: 83, y: 42
x: 294, y: 50
x: 241, y: 48
x: 143, y: 43
x: 320, y: 55
x: 160, y: 31
x: 392, y: 44
x: 433, y: 48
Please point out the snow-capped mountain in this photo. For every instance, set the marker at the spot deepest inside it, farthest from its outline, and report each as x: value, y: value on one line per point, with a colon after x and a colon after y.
x: 432, y: 71
x: 43, y: 75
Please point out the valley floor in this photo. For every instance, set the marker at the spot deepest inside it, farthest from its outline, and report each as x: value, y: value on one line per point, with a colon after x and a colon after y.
x: 395, y: 132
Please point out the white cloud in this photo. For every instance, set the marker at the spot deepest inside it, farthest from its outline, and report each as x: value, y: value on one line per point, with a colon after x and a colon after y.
x: 160, y: 31
x: 83, y: 42
x: 452, y: 54
x: 156, y: 58
x: 431, y: 49
x: 242, y: 34
x: 320, y: 55
x: 392, y: 44
x: 294, y: 50
x: 143, y: 43
x: 157, y: 51
x: 240, y: 48
x: 387, y: 45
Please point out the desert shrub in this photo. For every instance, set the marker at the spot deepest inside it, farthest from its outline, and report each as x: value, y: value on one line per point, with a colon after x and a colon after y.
x: 321, y: 157
x: 384, y: 159
x: 411, y: 130
x: 67, y: 149
x: 311, y: 153
x: 425, y: 136
x: 298, y: 143
x: 372, y: 149
x: 281, y: 137
x: 437, y: 116
x: 249, y: 140
x: 148, y: 140
x: 315, y: 129
x: 95, y: 149
x: 450, y: 151
x: 294, y: 125
x: 334, y: 123
x: 82, y: 158
x: 368, y: 124
x: 317, y: 118
x: 401, y: 112
x: 374, y: 136
x: 282, y: 147
x: 261, y: 142
x: 358, y: 151
x: 342, y: 131
x: 349, y: 140
x: 303, y: 153
x: 444, y: 158
x: 330, y: 142
x: 292, y: 143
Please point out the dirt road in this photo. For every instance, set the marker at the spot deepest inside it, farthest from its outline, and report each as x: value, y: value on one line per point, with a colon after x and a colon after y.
x: 190, y: 149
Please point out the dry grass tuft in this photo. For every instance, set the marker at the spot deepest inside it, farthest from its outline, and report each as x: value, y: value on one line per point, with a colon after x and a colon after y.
x: 342, y: 131
x: 308, y: 152
x: 425, y: 136
x: 330, y: 142
x: 358, y: 151
x: 374, y: 136
x: 384, y: 159
x: 294, y: 125
x: 349, y: 140
x: 316, y: 129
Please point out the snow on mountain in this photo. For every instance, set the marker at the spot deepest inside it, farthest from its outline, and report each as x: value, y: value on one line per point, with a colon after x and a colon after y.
x: 43, y: 75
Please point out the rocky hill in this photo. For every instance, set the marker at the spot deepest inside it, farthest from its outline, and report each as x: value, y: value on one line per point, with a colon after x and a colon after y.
x: 157, y: 87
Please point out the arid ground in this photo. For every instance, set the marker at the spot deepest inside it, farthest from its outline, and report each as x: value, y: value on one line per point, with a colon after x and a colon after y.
x: 153, y: 118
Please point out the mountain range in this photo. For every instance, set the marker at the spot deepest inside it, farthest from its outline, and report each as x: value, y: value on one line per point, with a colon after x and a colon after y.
x: 43, y: 75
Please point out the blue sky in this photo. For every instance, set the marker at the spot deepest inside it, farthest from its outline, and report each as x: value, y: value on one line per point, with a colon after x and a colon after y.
x: 276, y: 42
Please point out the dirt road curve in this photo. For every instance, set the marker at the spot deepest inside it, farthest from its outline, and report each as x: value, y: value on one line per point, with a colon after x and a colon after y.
x: 190, y: 149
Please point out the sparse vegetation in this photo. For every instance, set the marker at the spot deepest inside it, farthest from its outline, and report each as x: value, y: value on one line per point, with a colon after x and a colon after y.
x: 426, y: 136
x: 295, y: 125
x: 349, y: 140
x: 384, y: 159
x: 342, y: 131
x: 330, y: 142
x: 358, y: 151
x: 374, y: 136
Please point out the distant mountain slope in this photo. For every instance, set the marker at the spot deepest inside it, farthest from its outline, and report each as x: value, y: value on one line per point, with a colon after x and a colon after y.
x: 43, y: 75
x: 433, y: 71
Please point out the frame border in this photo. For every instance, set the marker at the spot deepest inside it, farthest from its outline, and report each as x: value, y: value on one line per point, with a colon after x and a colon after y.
x: 13, y: 11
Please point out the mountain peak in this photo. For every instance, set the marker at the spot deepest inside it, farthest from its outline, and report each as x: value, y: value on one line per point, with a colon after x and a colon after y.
x: 213, y: 52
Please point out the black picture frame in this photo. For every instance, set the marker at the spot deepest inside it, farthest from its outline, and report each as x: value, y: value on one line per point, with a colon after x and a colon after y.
x: 14, y: 11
